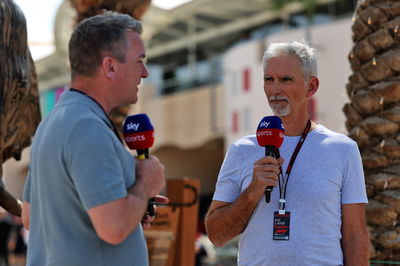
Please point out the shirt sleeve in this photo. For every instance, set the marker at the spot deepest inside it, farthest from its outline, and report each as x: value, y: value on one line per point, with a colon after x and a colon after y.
x: 94, y: 164
x: 227, y: 187
x: 353, y: 188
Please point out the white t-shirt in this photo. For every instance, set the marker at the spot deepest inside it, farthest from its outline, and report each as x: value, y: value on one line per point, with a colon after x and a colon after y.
x: 326, y: 174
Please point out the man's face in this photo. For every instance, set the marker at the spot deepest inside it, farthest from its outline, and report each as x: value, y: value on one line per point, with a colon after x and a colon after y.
x: 133, y: 70
x: 285, y: 86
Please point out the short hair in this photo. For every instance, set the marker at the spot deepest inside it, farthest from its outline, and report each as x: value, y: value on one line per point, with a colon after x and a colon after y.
x: 305, y: 53
x: 99, y: 36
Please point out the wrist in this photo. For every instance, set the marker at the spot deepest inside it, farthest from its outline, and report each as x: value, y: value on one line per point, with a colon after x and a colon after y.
x: 138, y: 190
x: 252, y: 196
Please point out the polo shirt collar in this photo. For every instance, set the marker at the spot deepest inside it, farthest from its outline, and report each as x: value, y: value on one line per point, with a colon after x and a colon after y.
x: 73, y: 97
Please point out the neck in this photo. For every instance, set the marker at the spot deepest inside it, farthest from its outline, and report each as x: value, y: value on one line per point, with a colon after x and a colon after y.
x: 94, y: 90
x: 294, y: 126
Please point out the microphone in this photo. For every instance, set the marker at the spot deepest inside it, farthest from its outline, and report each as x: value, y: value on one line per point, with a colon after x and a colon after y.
x: 270, y: 134
x: 138, y: 134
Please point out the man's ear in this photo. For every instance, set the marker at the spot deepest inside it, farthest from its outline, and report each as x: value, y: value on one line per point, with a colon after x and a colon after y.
x: 108, y: 67
x: 313, y: 84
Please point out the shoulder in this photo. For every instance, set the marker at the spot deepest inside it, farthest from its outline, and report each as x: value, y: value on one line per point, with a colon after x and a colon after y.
x: 246, y: 142
x: 329, y: 137
x: 244, y: 148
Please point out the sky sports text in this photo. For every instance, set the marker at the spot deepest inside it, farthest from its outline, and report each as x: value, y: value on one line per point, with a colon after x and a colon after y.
x: 268, y: 133
x: 132, y: 126
x: 135, y: 138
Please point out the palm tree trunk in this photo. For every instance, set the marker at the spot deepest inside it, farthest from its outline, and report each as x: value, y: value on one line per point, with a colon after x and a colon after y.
x: 373, y: 117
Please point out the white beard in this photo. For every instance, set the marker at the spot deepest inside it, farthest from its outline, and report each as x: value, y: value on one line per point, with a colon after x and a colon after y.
x: 279, y: 109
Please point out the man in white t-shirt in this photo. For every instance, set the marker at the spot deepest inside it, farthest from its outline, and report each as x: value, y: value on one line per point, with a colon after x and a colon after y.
x: 316, y: 215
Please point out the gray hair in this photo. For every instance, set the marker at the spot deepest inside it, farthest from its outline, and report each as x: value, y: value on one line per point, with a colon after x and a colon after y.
x: 97, y: 36
x: 306, y: 54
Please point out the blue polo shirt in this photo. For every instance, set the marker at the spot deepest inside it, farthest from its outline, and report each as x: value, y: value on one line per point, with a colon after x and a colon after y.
x: 77, y: 163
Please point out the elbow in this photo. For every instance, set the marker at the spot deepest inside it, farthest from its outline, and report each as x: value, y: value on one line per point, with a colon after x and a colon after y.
x: 214, y: 237
x: 217, y: 243
x: 113, y: 237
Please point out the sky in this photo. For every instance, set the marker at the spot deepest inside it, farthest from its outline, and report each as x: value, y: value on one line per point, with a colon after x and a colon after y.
x: 40, y: 17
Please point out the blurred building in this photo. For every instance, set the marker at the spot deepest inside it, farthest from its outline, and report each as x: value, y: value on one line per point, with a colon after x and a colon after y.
x: 205, y: 88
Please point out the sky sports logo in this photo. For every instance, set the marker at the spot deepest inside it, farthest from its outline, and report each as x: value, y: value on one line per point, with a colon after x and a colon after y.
x: 268, y: 133
x: 266, y: 124
x: 133, y: 126
x: 135, y: 138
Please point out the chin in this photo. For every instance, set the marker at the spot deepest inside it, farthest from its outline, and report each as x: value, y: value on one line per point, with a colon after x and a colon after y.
x: 134, y: 100
x: 280, y: 111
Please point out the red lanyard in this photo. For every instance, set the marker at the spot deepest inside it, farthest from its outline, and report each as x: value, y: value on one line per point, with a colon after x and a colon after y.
x: 283, y: 180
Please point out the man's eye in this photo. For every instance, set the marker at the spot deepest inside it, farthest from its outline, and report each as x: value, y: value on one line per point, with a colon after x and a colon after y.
x: 287, y: 79
x: 269, y: 79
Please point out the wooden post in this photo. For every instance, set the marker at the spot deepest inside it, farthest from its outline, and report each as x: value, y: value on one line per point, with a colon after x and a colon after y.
x: 179, y: 191
x: 161, y: 238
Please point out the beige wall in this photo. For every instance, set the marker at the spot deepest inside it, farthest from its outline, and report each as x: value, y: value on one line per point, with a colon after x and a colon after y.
x: 202, y: 163
x: 188, y: 132
x: 187, y: 119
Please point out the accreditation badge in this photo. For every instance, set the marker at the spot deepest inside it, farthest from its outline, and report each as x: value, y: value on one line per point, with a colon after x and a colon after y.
x: 281, y: 226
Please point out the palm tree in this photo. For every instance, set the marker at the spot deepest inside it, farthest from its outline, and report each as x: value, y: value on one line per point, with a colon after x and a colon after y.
x: 373, y: 117
x: 19, y: 97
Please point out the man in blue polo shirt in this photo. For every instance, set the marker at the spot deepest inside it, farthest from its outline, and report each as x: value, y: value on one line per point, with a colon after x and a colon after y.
x: 85, y: 195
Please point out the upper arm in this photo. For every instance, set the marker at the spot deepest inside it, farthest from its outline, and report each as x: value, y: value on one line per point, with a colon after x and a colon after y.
x: 95, y: 165
x: 103, y: 218
x: 26, y: 214
x: 228, y: 186
x: 355, y: 240
x: 353, y: 220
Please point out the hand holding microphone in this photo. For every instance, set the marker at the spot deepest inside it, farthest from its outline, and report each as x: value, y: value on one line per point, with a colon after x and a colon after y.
x: 139, y: 135
x: 270, y: 134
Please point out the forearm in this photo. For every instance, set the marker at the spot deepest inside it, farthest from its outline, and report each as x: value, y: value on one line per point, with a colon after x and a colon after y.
x: 137, y: 202
x: 227, y: 222
x: 26, y: 213
x: 115, y: 220
x: 9, y: 203
x: 356, y: 250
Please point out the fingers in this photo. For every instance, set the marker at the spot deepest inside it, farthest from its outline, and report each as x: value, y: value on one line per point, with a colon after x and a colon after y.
x: 267, y: 160
x: 265, y: 173
x: 146, y: 225
x: 266, y: 178
x: 147, y: 220
x: 269, y: 168
x: 161, y: 199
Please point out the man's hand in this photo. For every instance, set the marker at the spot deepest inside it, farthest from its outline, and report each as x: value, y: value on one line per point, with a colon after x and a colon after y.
x: 147, y: 219
x: 265, y: 173
x: 150, y: 175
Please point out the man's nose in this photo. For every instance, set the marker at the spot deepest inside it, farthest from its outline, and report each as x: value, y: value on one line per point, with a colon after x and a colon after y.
x: 145, y: 72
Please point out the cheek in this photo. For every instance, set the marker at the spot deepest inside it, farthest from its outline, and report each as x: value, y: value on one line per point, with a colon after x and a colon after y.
x: 267, y: 89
